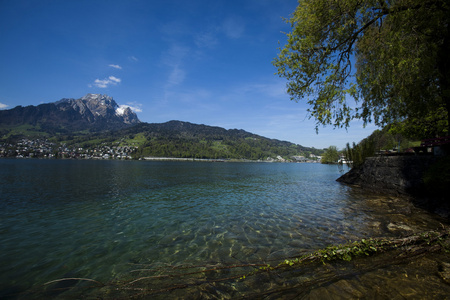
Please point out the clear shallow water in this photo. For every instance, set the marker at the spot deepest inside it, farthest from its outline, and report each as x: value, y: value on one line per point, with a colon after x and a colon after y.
x: 93, y: 219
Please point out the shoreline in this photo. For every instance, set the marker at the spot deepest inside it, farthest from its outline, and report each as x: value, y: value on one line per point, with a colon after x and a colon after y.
x: 402, y: 176
x: 224, y: 160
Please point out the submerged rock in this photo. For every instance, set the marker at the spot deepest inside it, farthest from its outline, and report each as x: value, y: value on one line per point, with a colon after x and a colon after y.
x: 400, y: 227
x: 401, y: 176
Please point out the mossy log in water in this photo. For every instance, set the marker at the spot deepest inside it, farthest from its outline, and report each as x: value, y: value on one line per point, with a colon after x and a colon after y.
x: 328, y: 271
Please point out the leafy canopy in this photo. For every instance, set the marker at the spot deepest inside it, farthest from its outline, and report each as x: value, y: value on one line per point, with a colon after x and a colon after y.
x: 330, y: 156
x: 390, y: 56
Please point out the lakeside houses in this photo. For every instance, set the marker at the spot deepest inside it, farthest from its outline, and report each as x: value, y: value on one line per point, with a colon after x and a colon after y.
x: 302, y: 159
x: 43, y: 148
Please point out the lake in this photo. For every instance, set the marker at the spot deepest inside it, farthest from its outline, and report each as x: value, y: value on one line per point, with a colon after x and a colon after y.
x: 102, y: 219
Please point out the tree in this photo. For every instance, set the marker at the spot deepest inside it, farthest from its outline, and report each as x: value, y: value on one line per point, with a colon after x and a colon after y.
x: 330, y: 156
x: 400, y: 49
x: 429, y: 125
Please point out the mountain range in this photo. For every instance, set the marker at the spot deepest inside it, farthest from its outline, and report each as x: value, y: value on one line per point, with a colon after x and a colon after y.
x: 96, y: 119
x: 93, y: 112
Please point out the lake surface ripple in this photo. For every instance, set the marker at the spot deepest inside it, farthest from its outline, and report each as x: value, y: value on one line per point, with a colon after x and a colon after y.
x: 93, y: 219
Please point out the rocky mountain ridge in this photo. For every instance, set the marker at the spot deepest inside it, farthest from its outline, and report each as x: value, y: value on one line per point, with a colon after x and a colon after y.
x: 94, y: 112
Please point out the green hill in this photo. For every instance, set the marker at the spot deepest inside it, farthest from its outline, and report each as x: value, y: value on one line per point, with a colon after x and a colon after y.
x: 171, y: 139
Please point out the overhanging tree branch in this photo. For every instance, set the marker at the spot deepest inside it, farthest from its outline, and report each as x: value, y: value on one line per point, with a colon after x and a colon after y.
x: 397, y: 65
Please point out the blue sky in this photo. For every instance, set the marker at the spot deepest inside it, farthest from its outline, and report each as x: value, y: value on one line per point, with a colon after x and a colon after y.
x: 201, y: 61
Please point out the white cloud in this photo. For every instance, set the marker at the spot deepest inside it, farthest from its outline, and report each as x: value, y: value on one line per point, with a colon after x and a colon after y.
x: 115, y: 66
x: 114, y: 79
x: 3, y: 106
x: 133, y: 58
x: 122, y: 108
x: 134, y: 106
x: 104, y: 83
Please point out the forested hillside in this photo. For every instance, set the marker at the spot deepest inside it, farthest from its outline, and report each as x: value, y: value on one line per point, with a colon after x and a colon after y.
x: 187, y: 140
x: 176, y: 139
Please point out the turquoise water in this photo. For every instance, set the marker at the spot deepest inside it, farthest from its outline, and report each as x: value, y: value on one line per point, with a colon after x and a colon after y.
x: 93, y: 219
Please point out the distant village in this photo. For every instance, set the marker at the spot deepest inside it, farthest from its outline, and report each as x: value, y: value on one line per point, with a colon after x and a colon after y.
x: 43, y: 148
x: 301, y: 159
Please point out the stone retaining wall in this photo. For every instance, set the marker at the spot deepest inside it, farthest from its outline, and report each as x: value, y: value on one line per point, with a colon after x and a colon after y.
x: 390, y: 174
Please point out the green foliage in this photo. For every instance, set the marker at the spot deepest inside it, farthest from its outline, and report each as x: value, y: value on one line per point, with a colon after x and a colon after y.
x: 186, y: 140
x: 331, y: 155
x: 357, y: 154
x: 380, y: 140
x: 347, y: 252
x: 434, y: 124
x: 227, y: 148
x: 133, y: 139
x: 363, y: 247
x: 23, y: 130
x: 402, y: 62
